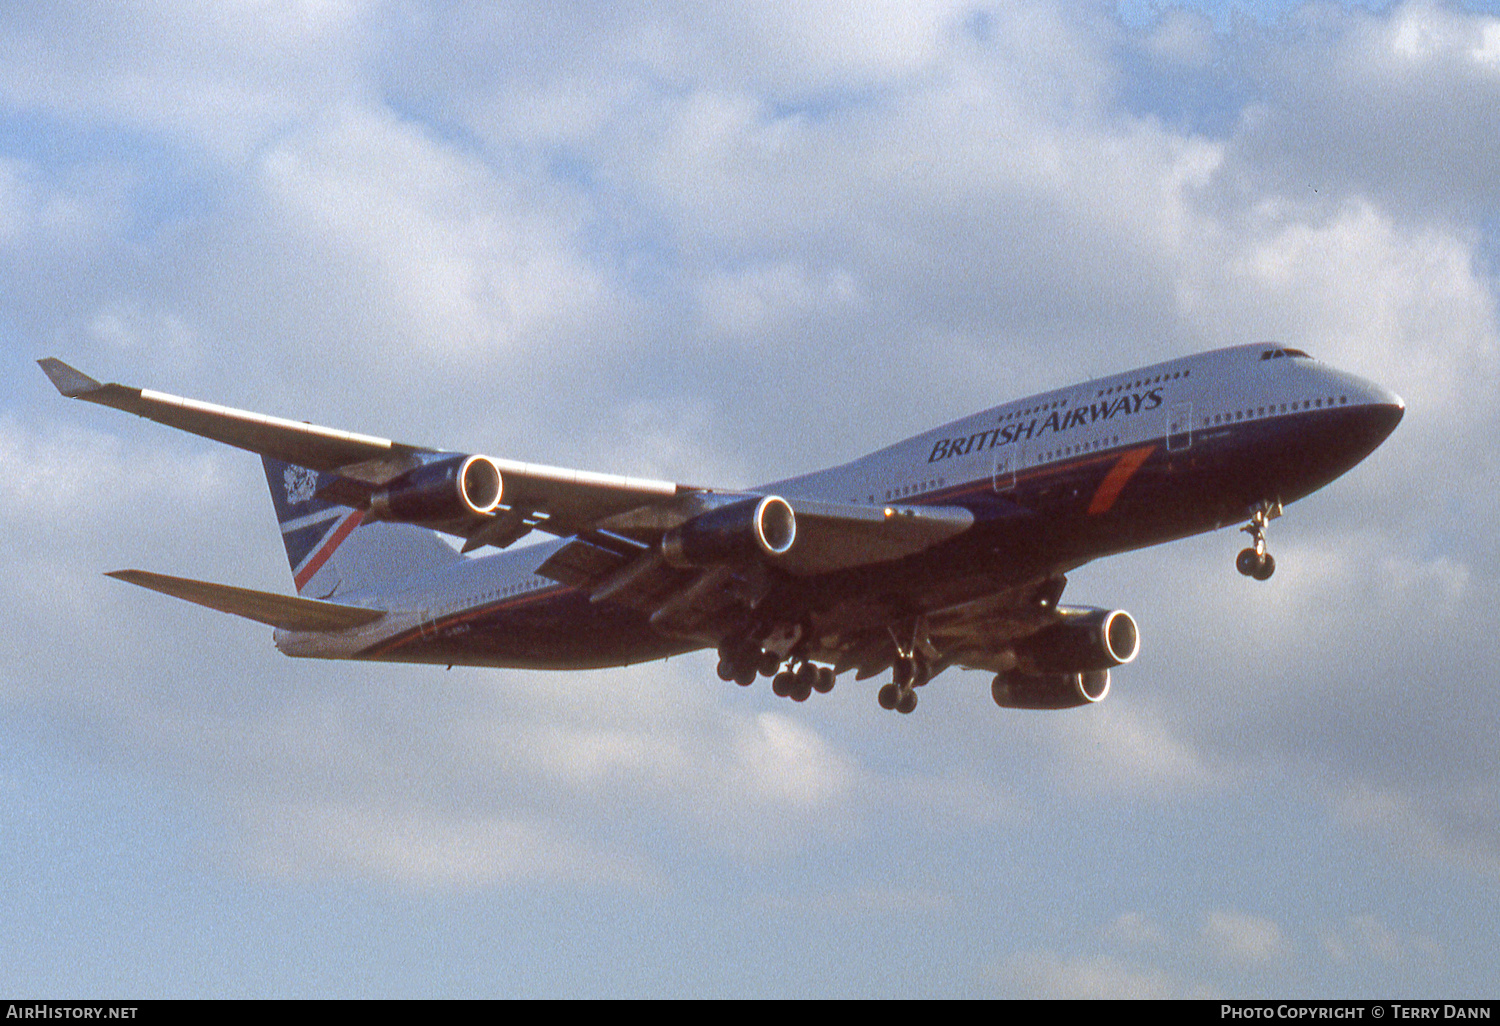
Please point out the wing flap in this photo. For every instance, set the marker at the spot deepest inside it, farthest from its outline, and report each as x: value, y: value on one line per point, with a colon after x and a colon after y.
x: 580, y: 563
x: 283, y: 611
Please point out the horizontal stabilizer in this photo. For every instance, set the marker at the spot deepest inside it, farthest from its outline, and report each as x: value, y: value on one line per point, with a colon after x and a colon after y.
x: 284, y: 611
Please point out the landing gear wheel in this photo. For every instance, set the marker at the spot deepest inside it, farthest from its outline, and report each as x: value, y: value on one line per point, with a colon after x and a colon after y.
x: 888, y: 696
x: 824, y: 682
x: 906, y: 701
x: 741, y: 660
x: 770, y: 663
x: 783, y: 683
x: 1259, y: 565
x: 802, y: 682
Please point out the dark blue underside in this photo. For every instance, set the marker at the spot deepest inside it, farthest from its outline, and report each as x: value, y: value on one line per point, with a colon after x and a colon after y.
x: 1040, y: 527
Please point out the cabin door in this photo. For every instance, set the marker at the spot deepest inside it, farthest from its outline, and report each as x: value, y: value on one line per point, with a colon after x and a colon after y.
x: 1179, y: 427
x: 1008, y: 459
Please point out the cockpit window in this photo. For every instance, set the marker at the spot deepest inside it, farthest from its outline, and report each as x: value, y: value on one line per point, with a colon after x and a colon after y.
x: 1277, y: 354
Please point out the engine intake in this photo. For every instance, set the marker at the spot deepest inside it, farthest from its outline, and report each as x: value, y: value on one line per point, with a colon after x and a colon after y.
x: 748, y: 529
x: 1081, y: 640
x: 443, y: 490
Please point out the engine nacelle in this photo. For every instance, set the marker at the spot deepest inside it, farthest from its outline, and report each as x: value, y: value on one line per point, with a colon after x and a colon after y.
x: 448, y: 489
x: 1015, y: 689
x: 1081, y: 640
x: 749, y: 529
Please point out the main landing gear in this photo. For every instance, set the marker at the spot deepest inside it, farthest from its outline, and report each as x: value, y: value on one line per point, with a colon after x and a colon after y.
x: 799, y: 684
x: 1255, y: 561
x: 909, y: 672
x: 740, y: 661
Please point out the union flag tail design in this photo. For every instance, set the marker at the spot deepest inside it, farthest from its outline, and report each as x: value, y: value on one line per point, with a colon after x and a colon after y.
x: 332, y: 551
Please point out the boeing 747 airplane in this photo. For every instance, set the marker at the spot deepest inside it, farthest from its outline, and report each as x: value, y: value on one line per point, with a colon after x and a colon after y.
x: 948, y: 549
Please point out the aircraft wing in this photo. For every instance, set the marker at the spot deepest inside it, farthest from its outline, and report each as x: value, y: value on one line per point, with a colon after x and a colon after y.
x: 624, y: 518
x: 626, y: 561
x: 829, y: 535
x: 364, y: 457
x: 554, y: 499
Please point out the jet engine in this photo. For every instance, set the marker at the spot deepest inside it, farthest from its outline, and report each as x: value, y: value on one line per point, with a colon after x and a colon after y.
x: 1066, y: 664
x: 1081, y: 640
x: 443, y: 490
x: 746, y: 529
x: 1016, y: 689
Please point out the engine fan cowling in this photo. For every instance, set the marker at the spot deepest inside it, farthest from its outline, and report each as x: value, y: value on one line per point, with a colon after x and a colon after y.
x: 756, y: 527
x: 1081, y: 640
x: 444, y: 490
x: 1016, y: 689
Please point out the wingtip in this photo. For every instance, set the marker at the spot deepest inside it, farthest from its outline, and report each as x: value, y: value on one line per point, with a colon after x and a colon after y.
x: 70, y: 381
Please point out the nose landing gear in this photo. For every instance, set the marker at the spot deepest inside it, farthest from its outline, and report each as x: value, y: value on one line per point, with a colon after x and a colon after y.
x: 1256, y: 562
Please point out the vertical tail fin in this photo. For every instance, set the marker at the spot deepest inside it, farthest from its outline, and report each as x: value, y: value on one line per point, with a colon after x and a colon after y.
x: 332, y: 551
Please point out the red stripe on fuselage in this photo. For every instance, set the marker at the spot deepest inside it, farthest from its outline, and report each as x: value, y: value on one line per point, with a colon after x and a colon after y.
x: 1118, y: 477
x: 327, y: 549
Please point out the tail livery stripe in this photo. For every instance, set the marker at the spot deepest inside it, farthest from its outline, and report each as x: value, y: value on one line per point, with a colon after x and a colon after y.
x: 323, y: 552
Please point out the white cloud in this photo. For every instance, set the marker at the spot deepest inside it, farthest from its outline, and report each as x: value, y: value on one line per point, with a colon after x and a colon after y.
x: 1367, y: 939
x: 1050, y: 976
x: 871, y: 902
x: 1244, y: 941
x: 443, y: 254
x: 1182, y: 37
x: 1450, y: 826
x: 1128, y: 750
x: 766, y: 301
x: 419, y: 849
x: 220, y: 76
x: 1137, y: 931
x: 1398, y: 105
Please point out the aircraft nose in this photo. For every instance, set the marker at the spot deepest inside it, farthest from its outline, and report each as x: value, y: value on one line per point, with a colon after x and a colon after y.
x: 1379, y: 411
x: 1385, y: 397
x: 1389, y: 414
x: 1389, y: 408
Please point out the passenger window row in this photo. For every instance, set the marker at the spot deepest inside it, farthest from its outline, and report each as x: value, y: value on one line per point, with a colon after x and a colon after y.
x: 1276, y: 409
x: 1074, y: 450
x: 1131, y: 386
x: 908, y: 490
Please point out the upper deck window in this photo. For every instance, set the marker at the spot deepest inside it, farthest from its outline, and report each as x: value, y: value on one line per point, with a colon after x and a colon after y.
x: 1276, y: 354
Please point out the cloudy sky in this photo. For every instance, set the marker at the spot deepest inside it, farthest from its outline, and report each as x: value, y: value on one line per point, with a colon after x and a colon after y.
x: 728, y: 243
